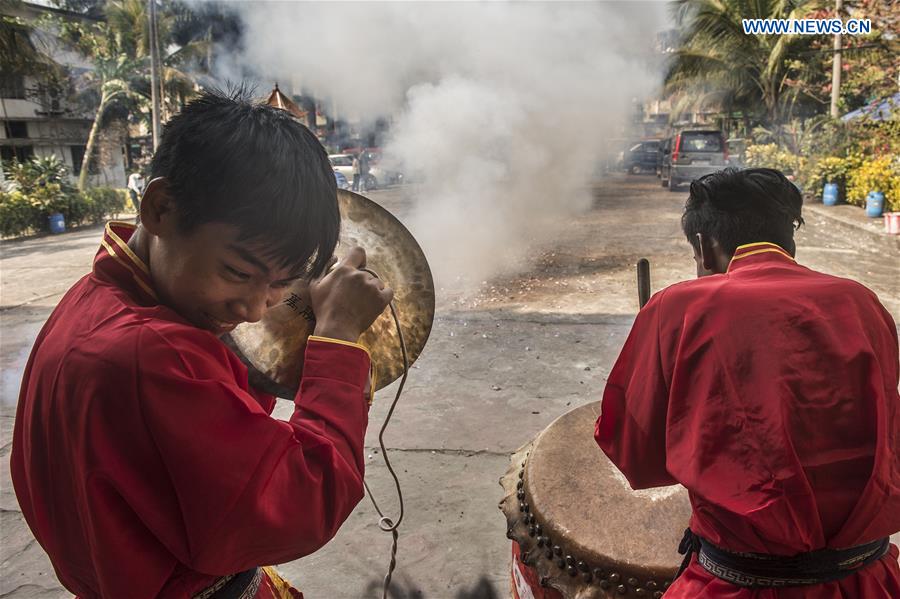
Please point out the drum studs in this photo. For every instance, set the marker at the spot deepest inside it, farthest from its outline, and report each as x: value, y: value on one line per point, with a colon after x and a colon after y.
x: 598, y: 574
x: 570, y: 560
x: 538, y: 529
x: 633, y: 582
x: 520, y: 484
x: 586, y: 577
x: 583, y: 566
x: 573, y: 571
x: 540, y: 541
x: 557, y: 550
x: 561, y: 563
x: 652, y: 586
x: 521, y: 494
x: 621, y: 589
x: 640, y: 592
x: 531, y: 531
x: 549, y: 553
x: 523, y: 508
x: 604, y: 584
x: 614, y: 578
x: 522, y: 472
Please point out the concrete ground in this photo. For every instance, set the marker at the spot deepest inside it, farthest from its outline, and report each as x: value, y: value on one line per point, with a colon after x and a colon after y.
x: 499, y: 367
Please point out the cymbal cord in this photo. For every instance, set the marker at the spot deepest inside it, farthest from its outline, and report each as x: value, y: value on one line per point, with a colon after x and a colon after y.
x: 385, y: 523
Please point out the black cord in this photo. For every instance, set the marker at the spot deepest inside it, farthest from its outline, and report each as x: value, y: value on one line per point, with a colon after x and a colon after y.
x: 385, y: 523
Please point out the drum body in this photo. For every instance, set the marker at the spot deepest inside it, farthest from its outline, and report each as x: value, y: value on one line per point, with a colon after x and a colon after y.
x: 578, y: 529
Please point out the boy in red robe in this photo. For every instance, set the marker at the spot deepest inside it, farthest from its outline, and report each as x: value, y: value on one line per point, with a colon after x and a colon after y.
x: 770, y: 392
x: 145, y: 464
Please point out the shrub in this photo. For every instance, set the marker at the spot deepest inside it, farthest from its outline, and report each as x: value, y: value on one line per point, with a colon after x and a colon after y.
x: 101, y: 202
x: 880, y: 173
x: 18, y: 214
x: 830, y: 169
x: 773, y: 156
x: 41, y: 187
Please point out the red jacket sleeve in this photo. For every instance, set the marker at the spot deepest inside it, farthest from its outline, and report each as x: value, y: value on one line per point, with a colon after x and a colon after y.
x: 631, y: 428
x: 251, y: 490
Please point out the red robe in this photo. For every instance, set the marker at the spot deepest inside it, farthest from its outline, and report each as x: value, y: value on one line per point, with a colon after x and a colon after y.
x: 147, y: 467
x: 770, y: 393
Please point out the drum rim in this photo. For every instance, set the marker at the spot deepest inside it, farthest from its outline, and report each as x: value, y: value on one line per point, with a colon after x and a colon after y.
x: 606, y: 574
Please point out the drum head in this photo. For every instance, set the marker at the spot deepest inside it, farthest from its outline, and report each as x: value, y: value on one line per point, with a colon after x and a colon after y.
x: 584, y: 505
x: 274, y: 347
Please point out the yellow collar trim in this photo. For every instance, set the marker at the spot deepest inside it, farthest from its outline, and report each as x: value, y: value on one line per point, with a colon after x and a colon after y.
x: 763, y: 248
x: 119, y: 245
x: 124, y: 246
x: 759, y: 244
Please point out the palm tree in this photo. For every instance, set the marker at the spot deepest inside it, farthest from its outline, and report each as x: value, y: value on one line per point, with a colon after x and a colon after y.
x: 18, y: 52
x: 718, y: 64
x: 120, y: 51
x: 130, y: 20
x: 111, y: 77
x: 110, y: 80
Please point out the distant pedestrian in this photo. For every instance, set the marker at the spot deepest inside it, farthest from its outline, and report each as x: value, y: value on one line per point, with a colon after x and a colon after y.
x: 363, y: 171
x: 355, y: 169
x: 135, y: 192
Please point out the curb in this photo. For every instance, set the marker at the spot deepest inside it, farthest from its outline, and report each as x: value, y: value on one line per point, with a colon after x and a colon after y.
x: 872, y: 227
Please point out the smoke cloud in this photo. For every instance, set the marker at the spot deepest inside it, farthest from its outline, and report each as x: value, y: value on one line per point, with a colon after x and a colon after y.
x: 499, y: 110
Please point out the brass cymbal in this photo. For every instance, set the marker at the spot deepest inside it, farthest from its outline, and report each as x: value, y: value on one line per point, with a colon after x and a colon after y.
x: 273, y: 348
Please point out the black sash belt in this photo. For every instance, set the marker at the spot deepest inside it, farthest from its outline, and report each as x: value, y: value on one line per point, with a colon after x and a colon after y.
x: 242, y: 585
x: 766, y: 571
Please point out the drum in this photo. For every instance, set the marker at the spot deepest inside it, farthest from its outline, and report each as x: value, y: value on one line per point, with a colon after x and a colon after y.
x: 578, y: 530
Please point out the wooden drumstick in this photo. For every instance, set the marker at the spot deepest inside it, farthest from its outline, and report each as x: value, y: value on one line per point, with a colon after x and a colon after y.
x: 643, y: 281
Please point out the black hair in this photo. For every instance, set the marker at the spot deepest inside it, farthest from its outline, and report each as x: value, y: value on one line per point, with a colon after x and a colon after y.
x: 736, y: 207
x: 254, y: 166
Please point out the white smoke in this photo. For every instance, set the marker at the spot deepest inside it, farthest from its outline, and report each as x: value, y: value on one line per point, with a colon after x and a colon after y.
x: 501, y: 110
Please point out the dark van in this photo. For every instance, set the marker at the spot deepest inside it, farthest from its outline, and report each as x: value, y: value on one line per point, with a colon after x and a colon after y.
x: 691, y: 154
x: 641, y: 156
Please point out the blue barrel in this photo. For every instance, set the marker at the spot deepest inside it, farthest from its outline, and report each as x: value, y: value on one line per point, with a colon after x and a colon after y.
x: 57, y: 223
x: 874, y: 204
x: 830, y: 195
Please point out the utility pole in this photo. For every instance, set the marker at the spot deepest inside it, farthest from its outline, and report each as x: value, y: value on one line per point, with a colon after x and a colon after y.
x: 836, y: 65
x: 154, y: 75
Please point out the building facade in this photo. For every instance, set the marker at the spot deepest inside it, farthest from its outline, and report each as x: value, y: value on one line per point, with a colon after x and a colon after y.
x: 39, y: 118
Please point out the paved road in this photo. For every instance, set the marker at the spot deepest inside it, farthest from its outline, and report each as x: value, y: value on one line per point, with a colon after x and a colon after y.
x: 501, y: 365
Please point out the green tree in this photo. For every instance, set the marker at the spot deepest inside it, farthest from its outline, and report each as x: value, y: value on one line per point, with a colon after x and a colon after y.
x: 130, y: 20
x: 113, y: 69
x: 718, y: 64
x: 119, y: 48
x: 18, y: 52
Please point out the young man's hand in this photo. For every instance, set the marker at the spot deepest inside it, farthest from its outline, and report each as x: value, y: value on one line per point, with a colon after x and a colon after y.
x: 347, y: 300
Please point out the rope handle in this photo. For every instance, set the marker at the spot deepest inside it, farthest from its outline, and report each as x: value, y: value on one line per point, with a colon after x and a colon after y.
x: 385, y: 523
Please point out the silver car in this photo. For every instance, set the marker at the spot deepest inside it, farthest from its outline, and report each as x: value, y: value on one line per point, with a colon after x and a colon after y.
x: 690, y: 155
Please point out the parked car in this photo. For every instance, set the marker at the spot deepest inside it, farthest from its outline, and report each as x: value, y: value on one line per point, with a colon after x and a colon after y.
x: 343, y: 164
x: 692, y: 154
x: 341, y: 180
x: 379, y: 174
x: 641, y: 157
